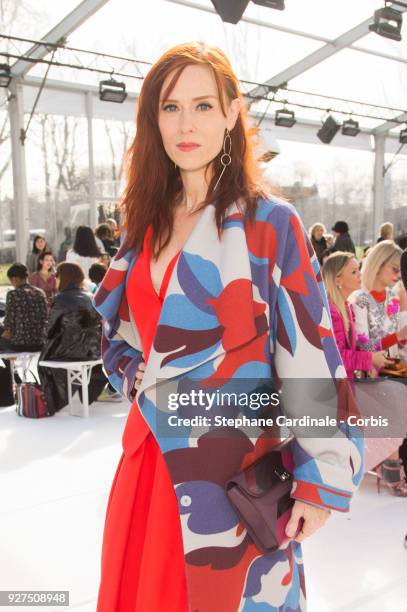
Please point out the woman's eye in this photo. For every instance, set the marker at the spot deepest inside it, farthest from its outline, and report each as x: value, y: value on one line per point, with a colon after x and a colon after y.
x: 204, y: 106
x: 170, y: 108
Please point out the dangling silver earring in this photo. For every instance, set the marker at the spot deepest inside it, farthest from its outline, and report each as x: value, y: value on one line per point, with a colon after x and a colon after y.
x: 226, y: 159
x: 175, y: 166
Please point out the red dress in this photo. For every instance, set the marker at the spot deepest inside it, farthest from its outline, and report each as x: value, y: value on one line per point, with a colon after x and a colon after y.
x: 142, y: 556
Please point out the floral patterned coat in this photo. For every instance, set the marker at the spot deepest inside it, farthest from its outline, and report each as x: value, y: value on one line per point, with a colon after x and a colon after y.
x: 248, y: 306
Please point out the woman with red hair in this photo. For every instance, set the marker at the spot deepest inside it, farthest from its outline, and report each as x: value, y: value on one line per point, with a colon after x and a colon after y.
x: 215, y: 283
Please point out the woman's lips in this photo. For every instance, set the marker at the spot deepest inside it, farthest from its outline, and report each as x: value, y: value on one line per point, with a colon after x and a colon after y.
x: 187, y: 146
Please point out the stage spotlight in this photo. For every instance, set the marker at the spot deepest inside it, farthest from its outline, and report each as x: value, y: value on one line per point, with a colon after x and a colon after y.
x: 350, y: 128
x: 5, y: 75
x: 387, y: 23
x: 230, y: 12
x: 285, y: 118
x: 274, y: 4
x: 328, y: 130
x: 112, y: 91
x: 403, y: 136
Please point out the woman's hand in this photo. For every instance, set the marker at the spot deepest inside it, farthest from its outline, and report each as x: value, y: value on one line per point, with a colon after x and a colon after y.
x: 139, y: 374
x: 379, y: 360
x: 313, y: 518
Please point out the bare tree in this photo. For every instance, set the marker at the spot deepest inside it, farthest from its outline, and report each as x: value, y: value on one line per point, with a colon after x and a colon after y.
x: 118, y: 135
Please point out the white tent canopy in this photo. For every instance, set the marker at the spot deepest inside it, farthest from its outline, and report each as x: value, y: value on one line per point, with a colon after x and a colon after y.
x: 322, y: 49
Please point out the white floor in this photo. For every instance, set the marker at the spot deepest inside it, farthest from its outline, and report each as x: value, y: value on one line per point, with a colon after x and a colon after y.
x: 55, y: 476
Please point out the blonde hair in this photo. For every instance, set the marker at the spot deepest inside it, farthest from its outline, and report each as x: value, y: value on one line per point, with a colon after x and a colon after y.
x: 314, y: 227
x: 386, y: 252
x: 386, y: 231
x: 333, y: 266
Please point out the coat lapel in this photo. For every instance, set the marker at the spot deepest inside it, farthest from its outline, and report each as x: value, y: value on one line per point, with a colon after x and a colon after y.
x: 208, y: 308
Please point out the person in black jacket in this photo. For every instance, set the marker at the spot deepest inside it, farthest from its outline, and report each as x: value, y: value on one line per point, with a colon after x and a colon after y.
x: 343, y: 240
x: 73, y: 334
x: 23, y: 329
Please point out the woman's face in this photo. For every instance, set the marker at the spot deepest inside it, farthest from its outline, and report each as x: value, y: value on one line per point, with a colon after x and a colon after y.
x: 350, y: 277
x: 318, y: 232
x: 40, y: 244
x: 389, y: 273
x: 47, y: 262
x: 191, y: 121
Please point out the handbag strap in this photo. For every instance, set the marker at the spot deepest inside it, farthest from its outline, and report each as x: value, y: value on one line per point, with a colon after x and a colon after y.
x: 19, y: 381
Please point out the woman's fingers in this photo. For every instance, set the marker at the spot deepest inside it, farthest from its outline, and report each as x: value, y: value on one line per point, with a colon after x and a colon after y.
x: 307, y: 519
x: 314, y: 518
x: 296, y: 515
x: 139, y: 374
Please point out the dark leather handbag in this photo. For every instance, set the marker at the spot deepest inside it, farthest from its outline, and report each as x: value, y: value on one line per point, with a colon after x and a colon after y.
x: 261, y: 497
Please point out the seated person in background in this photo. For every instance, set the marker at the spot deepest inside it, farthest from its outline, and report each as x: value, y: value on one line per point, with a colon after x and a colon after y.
x: 26, y: 314
x: 73, y: 334
x: 343, y: 240
x: 85, y: 251
x: 39, y: 245
x: 342, y: 277
x: 378, y: 323
x: 385, y: 232
x: 316, y: 234
x: 97, y: 272
x: 44, y: 278
x: 112, y: 223
x: 104, y: 235
x: 377, y: 303
x: 24, y: 324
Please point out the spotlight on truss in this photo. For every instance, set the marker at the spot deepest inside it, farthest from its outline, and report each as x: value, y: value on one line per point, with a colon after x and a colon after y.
x: 5, y: 75
x: 112, y: 91
x: 403, y: 136
x: 350, y: 128
x: 285, y: 118
x: 231, y: 11
x: 387, y: 23
x: 328, y: 130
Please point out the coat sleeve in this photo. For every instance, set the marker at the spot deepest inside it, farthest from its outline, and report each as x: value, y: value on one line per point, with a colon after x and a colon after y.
x: 120, y: 360
x: 328, y: 466
x: 352, y: 359
x: 120, y: 353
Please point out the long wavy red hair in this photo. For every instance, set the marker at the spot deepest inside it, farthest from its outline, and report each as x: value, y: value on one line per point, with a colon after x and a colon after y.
x: 154, y: 185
